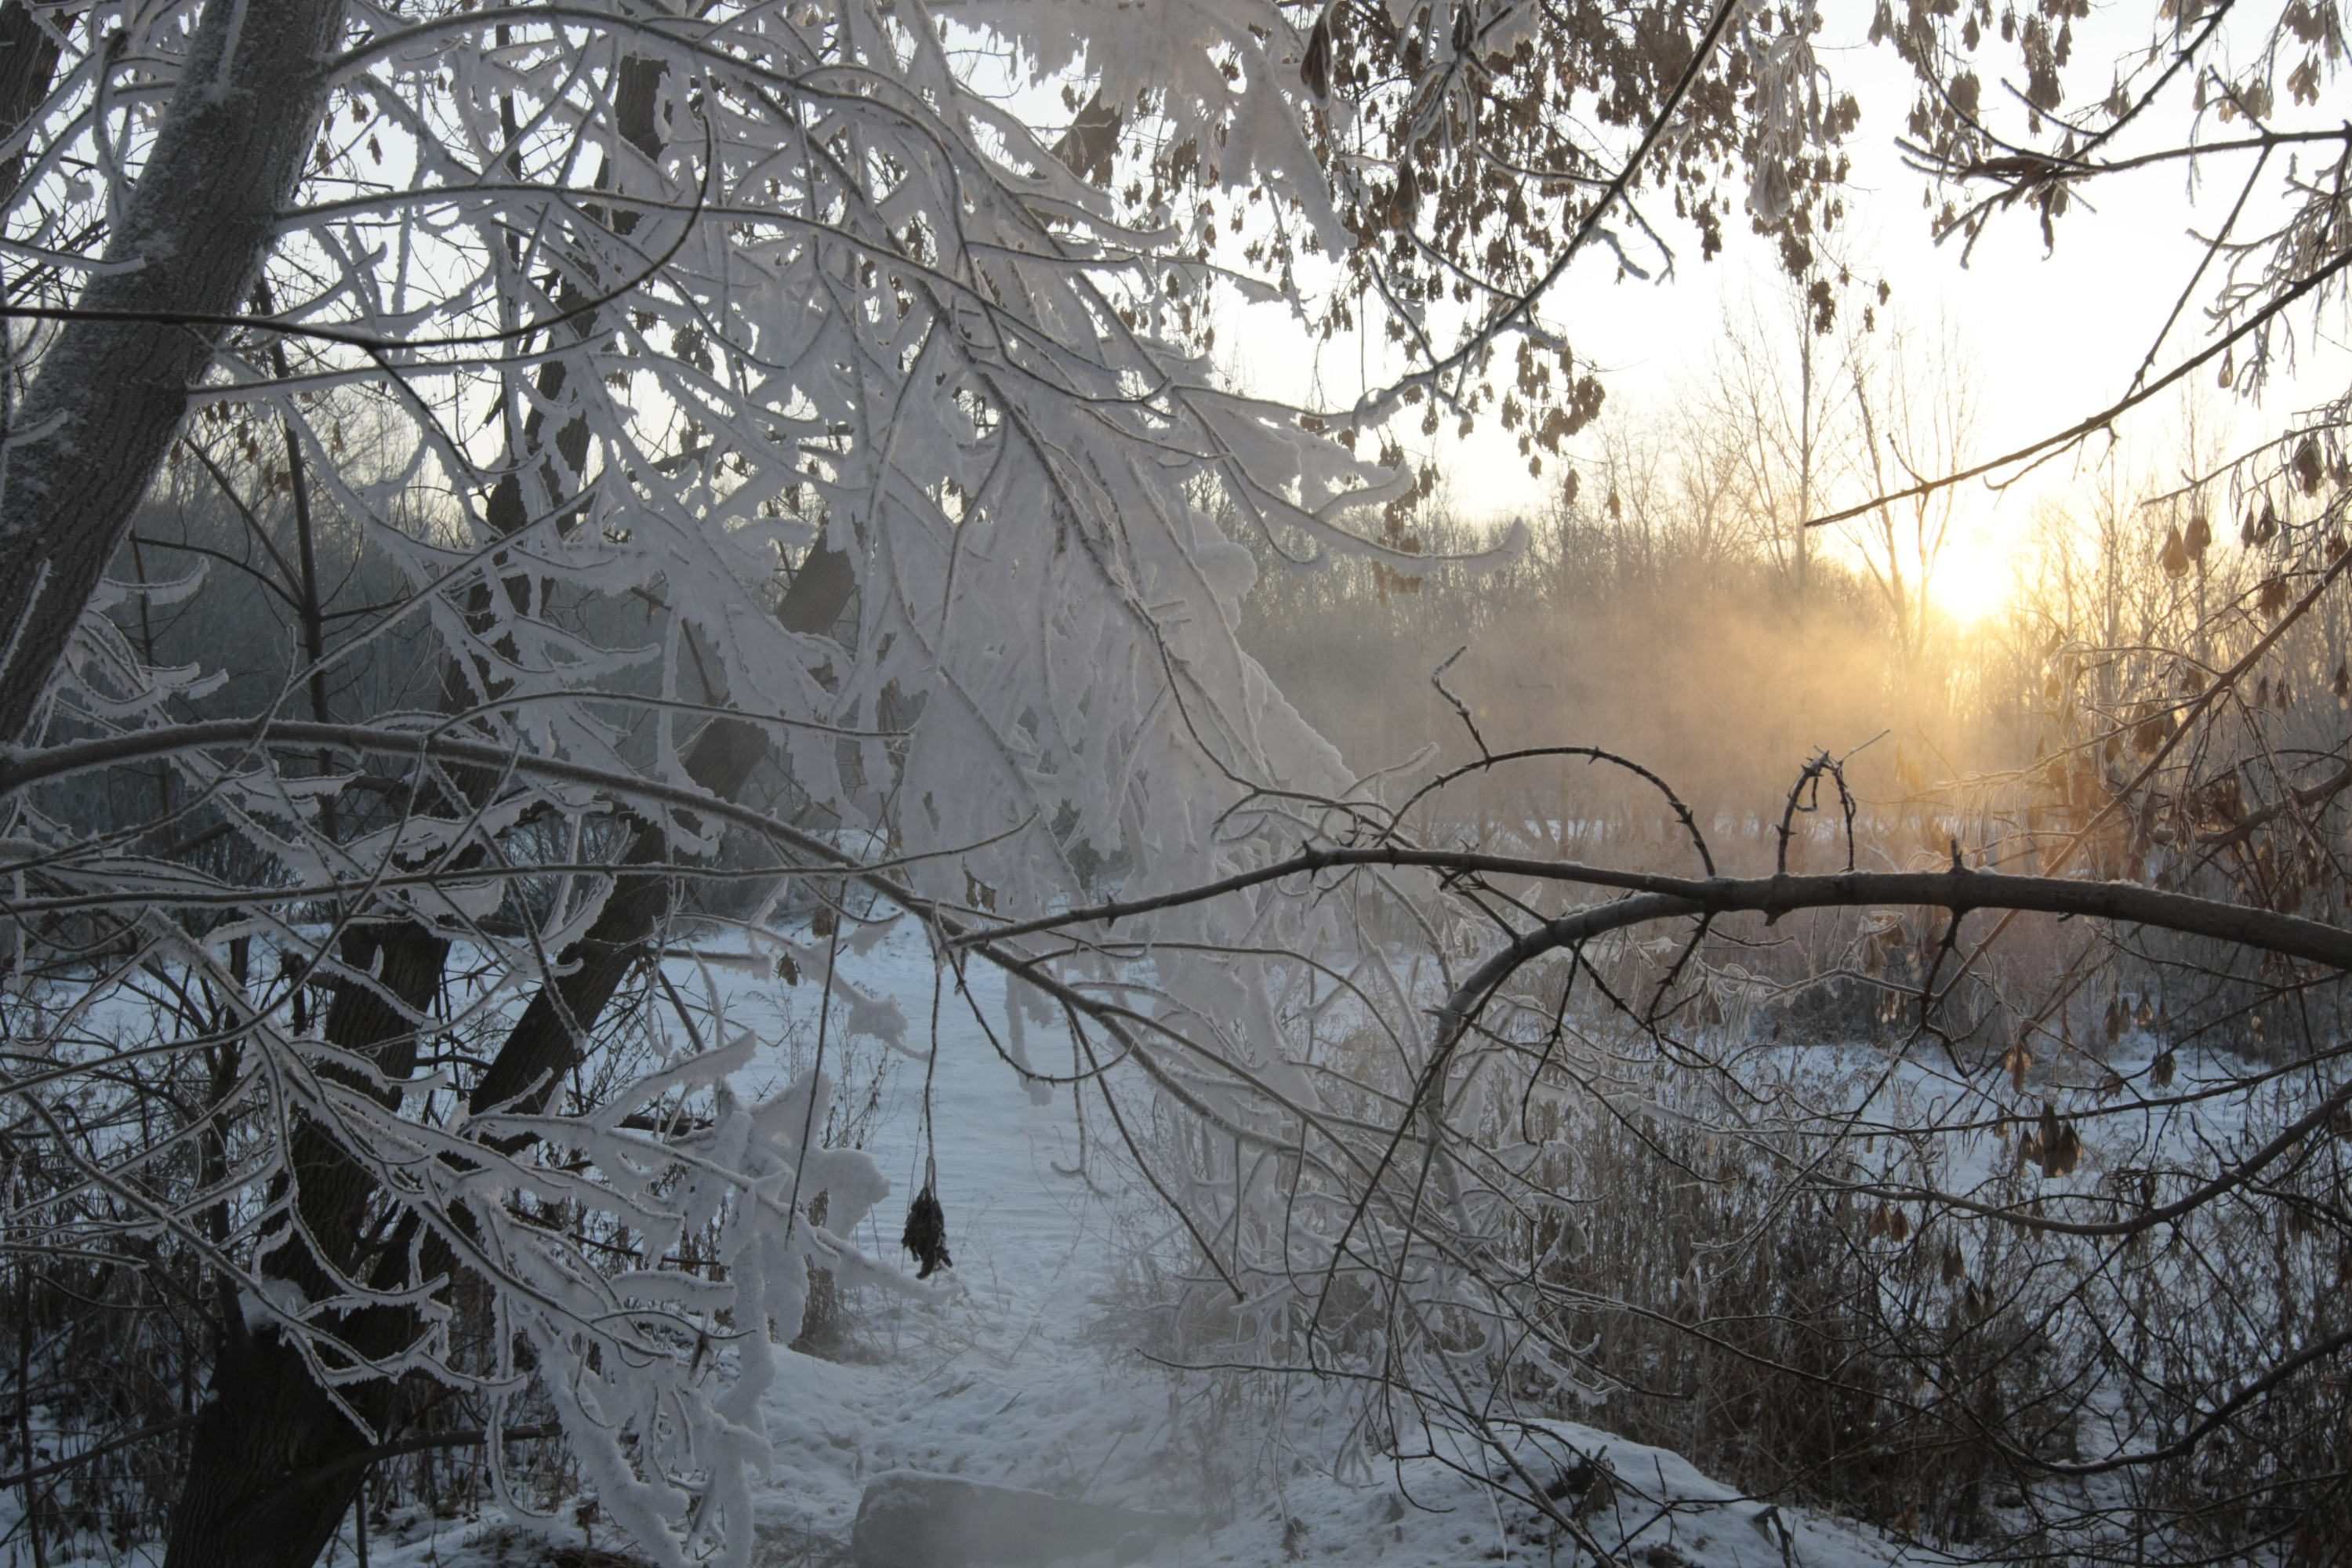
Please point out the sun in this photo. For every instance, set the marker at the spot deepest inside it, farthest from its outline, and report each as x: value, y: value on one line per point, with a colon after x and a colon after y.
x: 1975, y: 578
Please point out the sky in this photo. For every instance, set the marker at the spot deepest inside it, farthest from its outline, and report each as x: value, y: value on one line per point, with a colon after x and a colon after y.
x: 2053, y: 336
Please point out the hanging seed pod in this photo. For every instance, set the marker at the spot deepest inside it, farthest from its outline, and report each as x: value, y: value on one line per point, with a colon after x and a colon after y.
x: 926, y: 1235
x: 2018, y: 1060
x: 2308, y: 468
x: 1314, y: 70
x: 2175, y: 554
x: 2060, y: 1147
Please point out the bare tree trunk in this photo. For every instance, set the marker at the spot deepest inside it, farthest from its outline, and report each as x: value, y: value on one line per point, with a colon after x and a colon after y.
x: 250, y: 1497
x: 111, y: 394
x: 102, y: 411
x: 277, y: 1465
x: 266, y: 1486
x: 28, y: 61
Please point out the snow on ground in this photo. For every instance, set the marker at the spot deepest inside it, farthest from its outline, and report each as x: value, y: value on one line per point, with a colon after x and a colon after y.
x: 1010, y: 1376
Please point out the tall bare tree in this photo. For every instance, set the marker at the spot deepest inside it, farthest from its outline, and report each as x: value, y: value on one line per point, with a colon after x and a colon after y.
x: 179, y: 267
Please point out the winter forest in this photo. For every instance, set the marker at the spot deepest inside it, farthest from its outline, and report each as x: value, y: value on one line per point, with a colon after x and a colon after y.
x: 909, y: 783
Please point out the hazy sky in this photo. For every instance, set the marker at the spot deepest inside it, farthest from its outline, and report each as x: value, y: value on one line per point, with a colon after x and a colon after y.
x: 2053, y: 336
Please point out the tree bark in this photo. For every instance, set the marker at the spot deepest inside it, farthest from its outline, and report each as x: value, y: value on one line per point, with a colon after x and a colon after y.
x: 111, y: 394
x: 250, y: 1498
x: 277, y: 1465
x: 264, y: 1489
x: 28, y: 61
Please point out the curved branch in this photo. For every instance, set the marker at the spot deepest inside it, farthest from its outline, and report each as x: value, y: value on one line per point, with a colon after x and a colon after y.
x: 1772, y: 897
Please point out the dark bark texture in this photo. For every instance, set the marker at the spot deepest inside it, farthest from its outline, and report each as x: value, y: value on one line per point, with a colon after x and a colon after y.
x: 266, y: 1484
x: 248, y: 1498
x: 276, y: 1464
x: 109, y: 395
x: 28, y: 61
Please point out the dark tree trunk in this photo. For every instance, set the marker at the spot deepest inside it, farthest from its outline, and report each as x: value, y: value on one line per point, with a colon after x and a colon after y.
x: 277, y: 1465
x: 28, y: 61
x: 245, y: 1499
x: 109, y: 396
x: 547, y: 1040
x: 255, y: 1495
x: 108, y: 401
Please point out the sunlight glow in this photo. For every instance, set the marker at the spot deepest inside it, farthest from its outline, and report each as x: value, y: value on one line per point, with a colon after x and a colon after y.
x: 1976, y: 578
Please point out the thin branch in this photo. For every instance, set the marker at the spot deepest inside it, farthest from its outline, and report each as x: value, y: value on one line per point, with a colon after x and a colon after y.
x: 39, y: 1472
x: 2106, y: 416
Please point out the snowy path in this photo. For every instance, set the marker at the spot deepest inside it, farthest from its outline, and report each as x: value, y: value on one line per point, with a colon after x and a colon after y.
x: 1010, y: 1377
